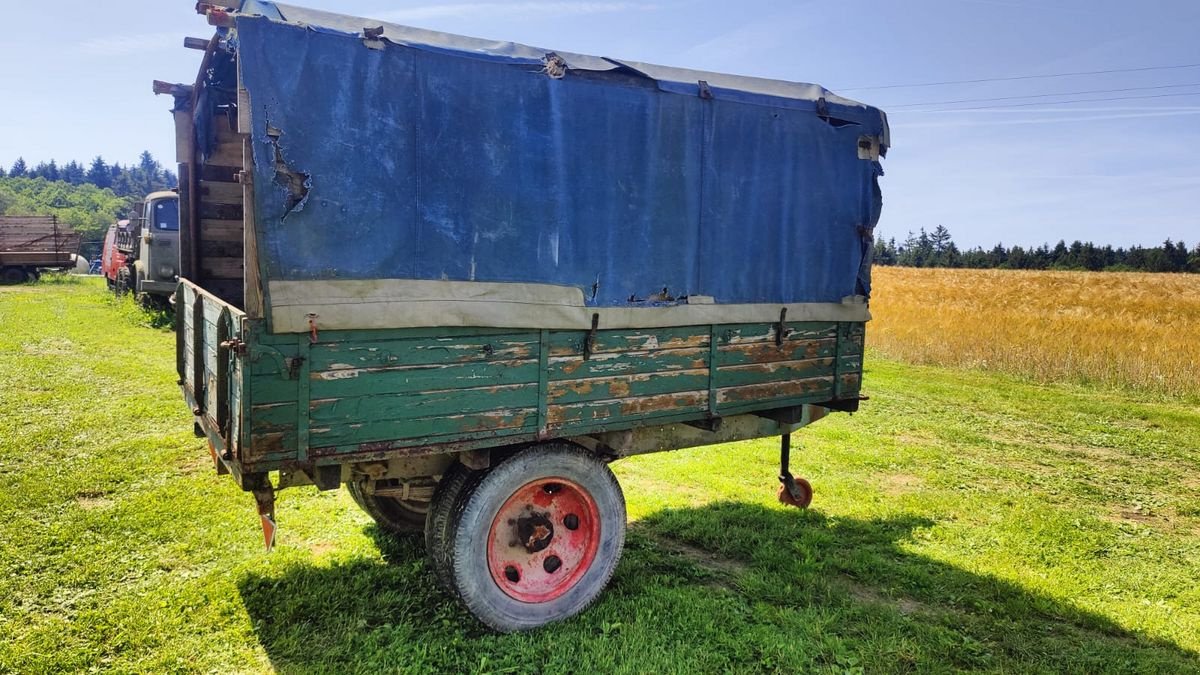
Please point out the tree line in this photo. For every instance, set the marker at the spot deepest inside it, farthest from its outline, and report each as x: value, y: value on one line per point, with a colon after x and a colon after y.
x: 937, y: 249
x: 132, y: 181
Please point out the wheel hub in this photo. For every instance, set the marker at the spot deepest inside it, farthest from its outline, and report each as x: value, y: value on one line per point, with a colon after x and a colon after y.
x: 543, y: 539
x: 535, y: 532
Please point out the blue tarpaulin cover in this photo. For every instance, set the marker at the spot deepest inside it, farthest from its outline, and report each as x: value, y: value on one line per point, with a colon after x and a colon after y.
x: 422, y: 155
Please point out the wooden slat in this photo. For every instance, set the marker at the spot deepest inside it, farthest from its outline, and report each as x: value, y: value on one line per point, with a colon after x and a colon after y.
x: 221, y: 193
x: 768, y: 352
x: 625, y: 409
x: 624, y: 386
x: 567, y: 343
x: 422, y: 351
x: 411, y: 379
x: 371, y: 409
x: 769, y: 391
x: 221, y: 268
x: 448, y: 426
x: 626, y: 363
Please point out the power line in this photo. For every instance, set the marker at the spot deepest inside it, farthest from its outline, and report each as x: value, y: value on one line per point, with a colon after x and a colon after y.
x: 1064, y: 93
x: 1078, y: 100
x: 1020, y: 77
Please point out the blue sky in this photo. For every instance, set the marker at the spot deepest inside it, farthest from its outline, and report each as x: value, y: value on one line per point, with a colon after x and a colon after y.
x: 76, y: 83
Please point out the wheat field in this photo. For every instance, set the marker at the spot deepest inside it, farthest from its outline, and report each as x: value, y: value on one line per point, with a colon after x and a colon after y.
x: 1132, y: 331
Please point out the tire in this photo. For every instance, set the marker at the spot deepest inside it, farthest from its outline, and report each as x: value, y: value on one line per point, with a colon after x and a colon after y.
x: 32, y: 276
x: 122, y: 286
x: 537, y: 538
x: 457, y: 481
x: 12, y: 275
x: 395, y: 516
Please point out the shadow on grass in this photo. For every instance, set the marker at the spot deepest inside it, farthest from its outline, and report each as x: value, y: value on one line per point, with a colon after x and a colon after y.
x: 728, y: 586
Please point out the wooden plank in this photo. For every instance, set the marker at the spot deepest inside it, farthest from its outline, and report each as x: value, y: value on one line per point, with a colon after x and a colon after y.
x: 625, y: 363
x: 765, y: 332
x: 223, y: 230
x: 252, y: 290
x: 221, y: 268
x: 449, y: 426
x: 566, y: 416
x: 624, y: 386
x: 273, y: 417
x: 220, y: 249
x: 372, y: 408
x: 218, y: 174
x: 768, y: 352
x: 274, y: 388
x: 765, y: 392
x: 225, y: 153
x: 221, y: 193
x: 567, y: 343
x: 775, y: 371
x: 409, y: 379
x: 422, y: 351
x: 212, y: 210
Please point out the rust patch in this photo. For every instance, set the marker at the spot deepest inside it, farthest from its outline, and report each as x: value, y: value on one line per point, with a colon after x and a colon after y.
x: 771, y: 390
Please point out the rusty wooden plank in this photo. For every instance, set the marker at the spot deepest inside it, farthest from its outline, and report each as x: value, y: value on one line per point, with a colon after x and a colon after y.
x: 423, y: 351
x: 373, y: 408
x: 775, y: 371
x: 621, y: 363
x: 410, y: 379
x: 625, y: 386
x: 566, y: 416
x: 447, y: 426
x: 567, y: 343
x: 767, y: 352
x: 770, y: 391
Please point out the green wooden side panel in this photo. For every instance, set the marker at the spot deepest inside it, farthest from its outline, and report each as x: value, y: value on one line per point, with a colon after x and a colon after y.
x: 367, y: 390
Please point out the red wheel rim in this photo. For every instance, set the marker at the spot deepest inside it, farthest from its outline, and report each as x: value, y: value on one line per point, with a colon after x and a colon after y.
x: 543, y: 539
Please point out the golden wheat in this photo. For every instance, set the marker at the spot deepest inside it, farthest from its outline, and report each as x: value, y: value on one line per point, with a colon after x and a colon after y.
x: 1129, y: 330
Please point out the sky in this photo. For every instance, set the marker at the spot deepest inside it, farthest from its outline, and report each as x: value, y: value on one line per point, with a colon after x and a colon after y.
x: 1120, y: 167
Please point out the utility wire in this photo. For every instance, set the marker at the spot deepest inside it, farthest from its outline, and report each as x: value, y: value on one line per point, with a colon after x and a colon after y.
x: 1063, y: 93
x: 1077, y: 100
x: 1020, y: 77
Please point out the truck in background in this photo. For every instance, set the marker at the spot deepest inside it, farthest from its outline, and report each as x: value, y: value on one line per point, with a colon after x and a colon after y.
x: 29, y: 244
x: 141, y: 255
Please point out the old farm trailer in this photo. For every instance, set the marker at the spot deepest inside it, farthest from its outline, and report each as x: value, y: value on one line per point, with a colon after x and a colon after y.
x: 459, y: 277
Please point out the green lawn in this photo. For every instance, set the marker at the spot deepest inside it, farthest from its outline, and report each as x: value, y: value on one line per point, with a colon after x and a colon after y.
x: 961, y: 521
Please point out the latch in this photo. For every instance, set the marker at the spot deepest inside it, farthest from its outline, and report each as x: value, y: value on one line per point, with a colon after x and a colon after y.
x: 589, y: 345
x: 234, y: 345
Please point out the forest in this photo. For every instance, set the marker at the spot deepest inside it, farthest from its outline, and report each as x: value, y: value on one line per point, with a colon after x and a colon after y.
x: 937, y: 249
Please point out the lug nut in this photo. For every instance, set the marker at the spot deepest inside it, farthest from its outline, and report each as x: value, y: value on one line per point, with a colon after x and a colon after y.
x: 551, y: 564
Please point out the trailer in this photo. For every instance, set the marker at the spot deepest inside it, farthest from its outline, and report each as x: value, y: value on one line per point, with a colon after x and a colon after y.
x: 29, y: 244
x: 460, y: 277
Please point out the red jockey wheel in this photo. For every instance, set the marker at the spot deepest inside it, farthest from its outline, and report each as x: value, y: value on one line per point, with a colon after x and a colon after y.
x: 543, y: 539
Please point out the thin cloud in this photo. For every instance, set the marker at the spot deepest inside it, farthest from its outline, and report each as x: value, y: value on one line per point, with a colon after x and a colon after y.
x: 120, y: 45
x: 510, y: 9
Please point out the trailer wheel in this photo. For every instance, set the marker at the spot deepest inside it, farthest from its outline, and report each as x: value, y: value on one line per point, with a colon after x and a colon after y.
x: 12, y: 275
x: 394, y: 515
x: 457, y: 481
x: 538, y: 538
x: 122, y: 286
x: 32, y: 276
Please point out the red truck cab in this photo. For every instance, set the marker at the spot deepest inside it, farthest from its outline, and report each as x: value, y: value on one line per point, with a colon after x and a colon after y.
x: 112, y: 260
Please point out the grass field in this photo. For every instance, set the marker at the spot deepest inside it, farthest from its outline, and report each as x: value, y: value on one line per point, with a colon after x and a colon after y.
x: 1135, y: 331
x: 962, y: 521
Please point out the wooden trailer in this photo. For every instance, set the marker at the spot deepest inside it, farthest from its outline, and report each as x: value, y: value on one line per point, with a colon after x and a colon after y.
x: 29, y: 244
x: 460, y: 277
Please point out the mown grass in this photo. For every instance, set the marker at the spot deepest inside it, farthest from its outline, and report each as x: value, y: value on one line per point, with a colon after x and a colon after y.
x: 1133, y: 331
x: 963, y: 521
